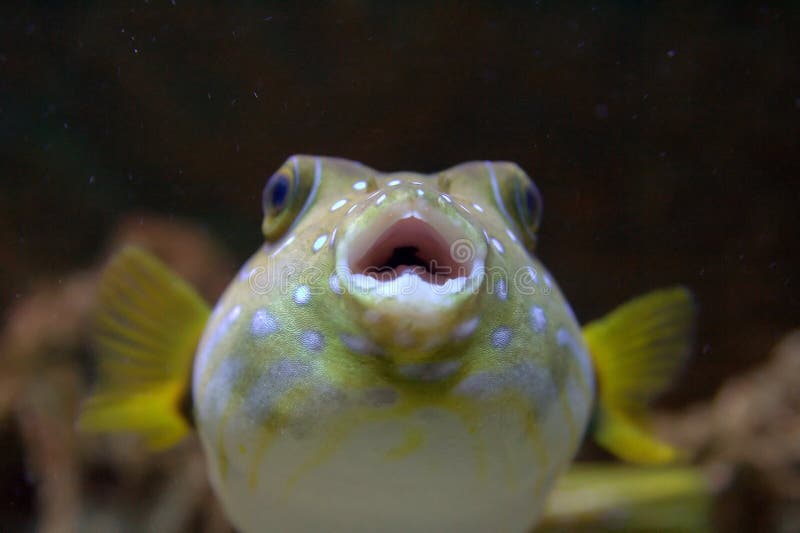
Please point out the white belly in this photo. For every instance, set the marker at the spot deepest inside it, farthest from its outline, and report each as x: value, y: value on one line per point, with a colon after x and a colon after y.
x: 425, y: 472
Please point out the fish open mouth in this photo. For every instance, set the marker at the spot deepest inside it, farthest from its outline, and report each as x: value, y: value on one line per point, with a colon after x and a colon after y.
x: 411, y: 266
x: 410, y: 246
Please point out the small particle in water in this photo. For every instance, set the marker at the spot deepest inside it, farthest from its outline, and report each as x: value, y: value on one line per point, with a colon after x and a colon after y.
x: 671, y: 53
x: 601, y: 111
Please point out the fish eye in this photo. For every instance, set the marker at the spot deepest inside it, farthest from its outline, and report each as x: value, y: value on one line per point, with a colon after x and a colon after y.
x: 276, y: 194
x: 279, y: 200
x: 528, y: 202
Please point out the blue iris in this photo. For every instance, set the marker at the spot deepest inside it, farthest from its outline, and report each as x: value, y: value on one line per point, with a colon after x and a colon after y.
x: 276, y: 193
x: 532, y: 202
x: 529, y: 206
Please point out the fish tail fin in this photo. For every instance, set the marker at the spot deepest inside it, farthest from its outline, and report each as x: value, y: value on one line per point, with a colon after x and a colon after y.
x: 637, y: 349
x: 147, y: 326
x: 613, y: 497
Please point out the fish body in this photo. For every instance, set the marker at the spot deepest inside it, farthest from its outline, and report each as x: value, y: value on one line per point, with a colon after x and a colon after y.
x: 319, y: 396
x: 394, y: 358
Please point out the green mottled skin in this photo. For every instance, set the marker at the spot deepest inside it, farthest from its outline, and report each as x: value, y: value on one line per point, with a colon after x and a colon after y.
x: 304, y: 435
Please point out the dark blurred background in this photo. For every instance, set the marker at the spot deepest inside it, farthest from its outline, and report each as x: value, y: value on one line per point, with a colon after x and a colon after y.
x: 663, y: 136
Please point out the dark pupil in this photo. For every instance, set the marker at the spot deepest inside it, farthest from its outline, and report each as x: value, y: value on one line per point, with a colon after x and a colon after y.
x: 530, y: 200
x: 279, y: 191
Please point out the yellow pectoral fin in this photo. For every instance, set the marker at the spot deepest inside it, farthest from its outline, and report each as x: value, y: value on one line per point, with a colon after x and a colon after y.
x: 630, y: 440
x: 147, y: 326
x: 142, y: 413
x: 637, y: 350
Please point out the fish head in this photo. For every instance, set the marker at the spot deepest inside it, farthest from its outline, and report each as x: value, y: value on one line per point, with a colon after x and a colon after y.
x: 398, y: 265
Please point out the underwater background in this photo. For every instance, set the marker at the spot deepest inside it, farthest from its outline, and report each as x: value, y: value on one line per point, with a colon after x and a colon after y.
x: 664, y: 137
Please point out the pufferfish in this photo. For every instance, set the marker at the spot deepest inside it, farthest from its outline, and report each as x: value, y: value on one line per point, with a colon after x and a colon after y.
x: 394, y: 358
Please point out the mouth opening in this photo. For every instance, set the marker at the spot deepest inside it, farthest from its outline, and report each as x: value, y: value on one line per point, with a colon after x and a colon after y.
x: 410, y: 246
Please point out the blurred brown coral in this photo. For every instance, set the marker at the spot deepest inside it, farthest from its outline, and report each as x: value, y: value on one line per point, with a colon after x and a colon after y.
x: 748, y: 437
x: 43, y: 379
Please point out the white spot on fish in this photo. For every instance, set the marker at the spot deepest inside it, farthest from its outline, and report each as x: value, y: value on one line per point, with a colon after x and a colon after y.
x: 501, y: 290
x: 360, y: 345
x: 446, y: 198
x: 420, y: 192
x: 312, y: 340
x: 380, y: 199
x: 263, y: 324
x: 338, y: 204
x: 564, y: 338
x: 498, y: 246
x: 501, y: 337
x: 511, y: 235
x: 393, y: 183
x: 360, y: 185
x: 547, y: 280
x: 302, y: 295
x: 465, y: 329
x: 333, y: 281
x: 478, y: 208
x: 352, y: 208
x: 538, y: 319
x: 320, y: 242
